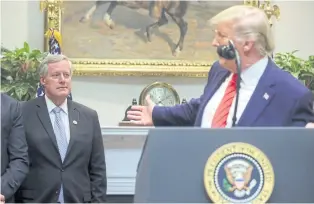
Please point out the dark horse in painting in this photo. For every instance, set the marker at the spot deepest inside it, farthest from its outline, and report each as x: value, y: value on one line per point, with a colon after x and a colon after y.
x: 157, y: 10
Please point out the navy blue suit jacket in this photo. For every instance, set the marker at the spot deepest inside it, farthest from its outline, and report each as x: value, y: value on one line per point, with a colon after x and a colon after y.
x: 290, y: 103
x: 14, y: 148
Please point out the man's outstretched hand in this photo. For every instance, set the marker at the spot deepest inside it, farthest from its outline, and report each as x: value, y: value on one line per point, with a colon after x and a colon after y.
x: 2, y: 199
x: 310, y: 125
x: 142, y: 115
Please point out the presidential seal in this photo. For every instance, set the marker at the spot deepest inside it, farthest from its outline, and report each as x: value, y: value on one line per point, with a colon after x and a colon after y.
x: 238, y: 173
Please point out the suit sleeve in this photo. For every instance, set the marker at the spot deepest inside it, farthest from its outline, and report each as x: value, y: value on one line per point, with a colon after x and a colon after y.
x: 97, y: 166
x: 303, y: 111
x: 180, y: 115
x: 18, y: 155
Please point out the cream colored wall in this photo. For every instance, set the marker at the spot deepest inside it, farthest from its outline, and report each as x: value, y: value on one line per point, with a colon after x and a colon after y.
x: 295, y: 30
x: 110, y: 96
x: 21, y: 21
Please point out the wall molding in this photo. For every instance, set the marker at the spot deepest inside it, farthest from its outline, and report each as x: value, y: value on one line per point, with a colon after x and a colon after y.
x: 125, y: 131
x: 122, y: 160
x: 121, y: 185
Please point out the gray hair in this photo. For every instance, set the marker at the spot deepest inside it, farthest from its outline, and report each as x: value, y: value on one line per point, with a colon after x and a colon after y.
x: 249, y: 23
x: 50, y: 58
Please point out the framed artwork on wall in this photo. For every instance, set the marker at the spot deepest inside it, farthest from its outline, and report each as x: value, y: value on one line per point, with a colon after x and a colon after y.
x: 137, y: 38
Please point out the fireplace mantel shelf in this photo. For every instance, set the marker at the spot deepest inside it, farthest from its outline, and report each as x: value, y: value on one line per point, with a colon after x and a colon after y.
x: 129, y: 131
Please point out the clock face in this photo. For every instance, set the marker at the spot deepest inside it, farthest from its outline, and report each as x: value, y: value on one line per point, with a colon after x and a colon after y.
x: 163, y: 96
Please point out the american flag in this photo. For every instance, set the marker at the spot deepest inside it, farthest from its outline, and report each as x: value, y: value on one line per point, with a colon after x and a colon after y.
x: 54, y: 48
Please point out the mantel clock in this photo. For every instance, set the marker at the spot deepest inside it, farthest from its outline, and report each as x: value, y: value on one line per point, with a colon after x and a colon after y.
x: 162, y: 94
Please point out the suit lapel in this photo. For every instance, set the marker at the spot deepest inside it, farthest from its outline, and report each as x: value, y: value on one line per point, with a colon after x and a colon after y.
x: 261, y: 97
x: 44, y: 118
x: 73, y: 124
x: 218, y: 79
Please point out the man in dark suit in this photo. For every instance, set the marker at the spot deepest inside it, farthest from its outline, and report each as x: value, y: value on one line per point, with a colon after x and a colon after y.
x: 268, y: 95
x: 14, y: 156
x: 67, y: 161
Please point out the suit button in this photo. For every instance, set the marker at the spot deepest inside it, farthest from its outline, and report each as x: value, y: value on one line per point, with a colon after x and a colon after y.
x: 57, y: 192
x: 62, y: 170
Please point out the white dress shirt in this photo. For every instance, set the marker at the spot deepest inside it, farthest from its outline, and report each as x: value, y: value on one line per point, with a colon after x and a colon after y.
x: 249, y: 80
x: 64, y: 115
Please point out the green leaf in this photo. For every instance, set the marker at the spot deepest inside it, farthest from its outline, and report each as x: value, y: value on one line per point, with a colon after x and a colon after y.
x: 294, y: 51
x: 297, y: 66
x: 26, y: 47
x: 20, y: 92
x: 295, y: 74
x: 24, y: 81
x: 7, y: 88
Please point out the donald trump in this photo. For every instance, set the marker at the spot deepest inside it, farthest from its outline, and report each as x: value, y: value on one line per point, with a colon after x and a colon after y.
x: 268, y: 96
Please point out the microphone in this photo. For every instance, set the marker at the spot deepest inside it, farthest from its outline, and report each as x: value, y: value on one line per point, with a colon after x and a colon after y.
x: 229, y: 52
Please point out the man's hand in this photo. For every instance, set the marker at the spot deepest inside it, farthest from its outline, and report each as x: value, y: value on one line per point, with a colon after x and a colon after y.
x: 310, y: 125
x: 2, y: 199
x: 142, y: 115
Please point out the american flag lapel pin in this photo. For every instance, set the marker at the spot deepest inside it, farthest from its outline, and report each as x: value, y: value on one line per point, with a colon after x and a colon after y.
x: 266, y: 96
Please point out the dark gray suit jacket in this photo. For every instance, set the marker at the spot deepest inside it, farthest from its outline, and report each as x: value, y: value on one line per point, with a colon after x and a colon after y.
x: 14, y: 156
x: 83, y: 172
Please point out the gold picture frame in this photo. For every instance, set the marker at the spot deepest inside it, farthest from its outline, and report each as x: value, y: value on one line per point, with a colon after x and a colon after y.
x: 125, y: 67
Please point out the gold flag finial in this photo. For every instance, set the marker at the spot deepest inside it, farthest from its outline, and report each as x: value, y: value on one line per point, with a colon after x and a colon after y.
x: 52, y: 8
x: 270, y: 11
x: 254, y: 3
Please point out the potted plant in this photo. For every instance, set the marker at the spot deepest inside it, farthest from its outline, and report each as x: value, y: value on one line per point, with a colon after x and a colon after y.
x: 298, y: 67
x: 19, y: 75
x: 310, y: 80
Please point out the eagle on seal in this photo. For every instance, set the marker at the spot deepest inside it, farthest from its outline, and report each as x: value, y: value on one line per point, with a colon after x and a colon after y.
x: 238, y: 173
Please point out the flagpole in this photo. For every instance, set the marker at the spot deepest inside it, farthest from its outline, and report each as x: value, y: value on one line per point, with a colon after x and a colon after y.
x: 52, y: 9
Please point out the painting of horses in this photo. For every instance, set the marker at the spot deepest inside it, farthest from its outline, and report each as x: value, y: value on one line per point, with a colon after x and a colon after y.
x: 141, y: 30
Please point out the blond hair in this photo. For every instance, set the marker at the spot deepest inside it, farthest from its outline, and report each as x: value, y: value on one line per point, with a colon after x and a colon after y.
x: 249, y: 23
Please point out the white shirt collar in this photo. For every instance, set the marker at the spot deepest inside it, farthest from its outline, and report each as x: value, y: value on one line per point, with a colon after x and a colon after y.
x: 51, y: 105
x: 252, y: 74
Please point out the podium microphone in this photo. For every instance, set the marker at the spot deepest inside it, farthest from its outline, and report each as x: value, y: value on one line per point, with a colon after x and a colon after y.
x: 229, y: 52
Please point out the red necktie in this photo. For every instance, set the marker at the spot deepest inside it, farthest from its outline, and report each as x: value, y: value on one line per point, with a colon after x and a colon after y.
x: 222, y: 112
